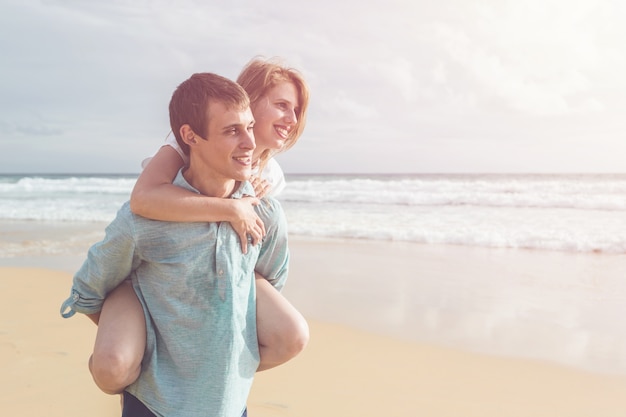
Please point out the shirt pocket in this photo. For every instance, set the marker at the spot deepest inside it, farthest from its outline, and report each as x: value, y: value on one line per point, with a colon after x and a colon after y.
x: 247, y: 263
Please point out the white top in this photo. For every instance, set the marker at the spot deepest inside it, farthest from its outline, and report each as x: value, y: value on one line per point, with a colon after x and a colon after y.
x: 272, y: 172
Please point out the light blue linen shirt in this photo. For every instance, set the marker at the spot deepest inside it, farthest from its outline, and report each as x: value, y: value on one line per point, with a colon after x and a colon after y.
x: 198, y: 295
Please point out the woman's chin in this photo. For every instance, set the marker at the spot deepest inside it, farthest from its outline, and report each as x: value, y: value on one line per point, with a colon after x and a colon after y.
x: 279, y: 144
x: 270, y: 145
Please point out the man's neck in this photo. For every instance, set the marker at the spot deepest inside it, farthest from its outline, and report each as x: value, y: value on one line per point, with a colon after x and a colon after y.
x: 208, y: 184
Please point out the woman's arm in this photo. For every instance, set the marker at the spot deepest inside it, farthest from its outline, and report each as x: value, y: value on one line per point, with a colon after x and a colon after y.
x: 155, y: 197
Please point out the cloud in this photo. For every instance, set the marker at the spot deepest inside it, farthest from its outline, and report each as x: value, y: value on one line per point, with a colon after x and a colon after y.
x: 387, y: 78
x: 398, y: 72
x: 33, y: 130
x: 534, y: 57
x: 353, y: 109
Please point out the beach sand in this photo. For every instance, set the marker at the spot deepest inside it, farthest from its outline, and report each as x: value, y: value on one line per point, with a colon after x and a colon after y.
x: 396, y: 329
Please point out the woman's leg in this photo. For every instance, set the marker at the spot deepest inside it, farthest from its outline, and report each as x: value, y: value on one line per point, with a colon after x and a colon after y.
x: 120, y: 341
x: 281, y: 329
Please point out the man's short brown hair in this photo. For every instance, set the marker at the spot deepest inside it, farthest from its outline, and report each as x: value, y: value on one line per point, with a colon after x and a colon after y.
x: 190, y: 103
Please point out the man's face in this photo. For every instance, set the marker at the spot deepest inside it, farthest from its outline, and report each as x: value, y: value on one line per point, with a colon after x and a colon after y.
x: 227, y: 152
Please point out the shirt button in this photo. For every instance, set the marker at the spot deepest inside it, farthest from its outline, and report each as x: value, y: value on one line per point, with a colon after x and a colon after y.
x: 221, y: 272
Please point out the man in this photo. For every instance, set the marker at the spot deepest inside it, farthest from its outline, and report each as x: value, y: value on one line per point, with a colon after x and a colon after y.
x: 195, y: 286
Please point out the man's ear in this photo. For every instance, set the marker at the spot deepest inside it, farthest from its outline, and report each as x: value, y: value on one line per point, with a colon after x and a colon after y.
x: 188, y: 135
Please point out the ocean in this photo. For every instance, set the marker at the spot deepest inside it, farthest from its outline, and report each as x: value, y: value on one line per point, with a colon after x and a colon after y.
x: 558, y: 299
x: 579, y: 213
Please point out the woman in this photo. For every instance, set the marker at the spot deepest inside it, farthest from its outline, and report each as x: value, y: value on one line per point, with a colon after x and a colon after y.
x: 278, y: 100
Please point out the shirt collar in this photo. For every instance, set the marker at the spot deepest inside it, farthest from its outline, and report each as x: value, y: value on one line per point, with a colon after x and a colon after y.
x: 245, y: 188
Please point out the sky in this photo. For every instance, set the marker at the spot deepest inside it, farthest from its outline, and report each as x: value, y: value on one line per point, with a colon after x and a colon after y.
x: 397, y: 86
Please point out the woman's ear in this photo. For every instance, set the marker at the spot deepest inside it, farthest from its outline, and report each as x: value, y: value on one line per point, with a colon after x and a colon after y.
x: 188, y: 135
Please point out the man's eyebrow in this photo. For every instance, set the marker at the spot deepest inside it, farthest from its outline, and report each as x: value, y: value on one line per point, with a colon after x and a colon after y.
x: 238, y: 125
x: 232, y: 126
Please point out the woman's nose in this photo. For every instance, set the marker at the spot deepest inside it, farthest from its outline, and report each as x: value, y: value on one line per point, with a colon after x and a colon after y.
x: 291, y: 116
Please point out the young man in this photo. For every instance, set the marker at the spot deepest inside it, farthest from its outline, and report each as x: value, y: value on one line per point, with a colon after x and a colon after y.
x: 194, y: 283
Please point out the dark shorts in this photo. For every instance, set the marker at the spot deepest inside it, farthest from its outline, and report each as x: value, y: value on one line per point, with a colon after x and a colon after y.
x: 135, y: 408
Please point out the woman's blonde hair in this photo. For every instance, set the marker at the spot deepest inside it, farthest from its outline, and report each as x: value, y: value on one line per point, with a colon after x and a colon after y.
x: 260, y: 75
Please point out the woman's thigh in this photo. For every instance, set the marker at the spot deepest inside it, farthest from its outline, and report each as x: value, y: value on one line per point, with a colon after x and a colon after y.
x: 122, y: 325
x: 277, y: 318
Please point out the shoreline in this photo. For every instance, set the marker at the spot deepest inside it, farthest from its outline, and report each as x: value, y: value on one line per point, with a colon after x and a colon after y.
x: 552, y: 306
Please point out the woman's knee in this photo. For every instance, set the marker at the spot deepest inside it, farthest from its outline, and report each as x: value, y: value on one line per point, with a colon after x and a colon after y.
x: 292, y: 337
x: 113, y: 371
x: 300, y: 336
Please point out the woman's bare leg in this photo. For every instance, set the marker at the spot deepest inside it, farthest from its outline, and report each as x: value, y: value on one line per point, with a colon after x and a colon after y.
x: 282, y: 330
x: 120, y: 341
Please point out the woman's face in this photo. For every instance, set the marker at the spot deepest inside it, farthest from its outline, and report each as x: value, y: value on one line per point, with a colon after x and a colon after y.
x: 275, y: 116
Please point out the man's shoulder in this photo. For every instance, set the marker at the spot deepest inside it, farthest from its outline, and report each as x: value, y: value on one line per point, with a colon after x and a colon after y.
x: 270, y: 205
x: 147, y: 233
x: 270, y: 210
x: 126, y: 216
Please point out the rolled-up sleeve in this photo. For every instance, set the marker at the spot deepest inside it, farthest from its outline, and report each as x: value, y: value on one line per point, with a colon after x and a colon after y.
x: 108, y: 263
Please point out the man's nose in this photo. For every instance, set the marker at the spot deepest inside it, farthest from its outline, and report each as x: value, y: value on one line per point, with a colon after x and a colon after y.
x: 248, y: 141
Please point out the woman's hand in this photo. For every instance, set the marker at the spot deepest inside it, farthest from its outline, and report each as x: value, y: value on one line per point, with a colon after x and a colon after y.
x: 246, y: 222
x: 261, y: 186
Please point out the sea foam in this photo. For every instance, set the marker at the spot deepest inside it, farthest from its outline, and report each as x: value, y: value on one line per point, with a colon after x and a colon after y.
x: 545, y: 212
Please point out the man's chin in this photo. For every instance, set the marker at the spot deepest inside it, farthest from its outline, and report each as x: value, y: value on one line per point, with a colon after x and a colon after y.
x: 243, y: 176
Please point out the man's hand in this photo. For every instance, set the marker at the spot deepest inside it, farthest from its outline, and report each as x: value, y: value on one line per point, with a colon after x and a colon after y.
x: 246, y: 222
